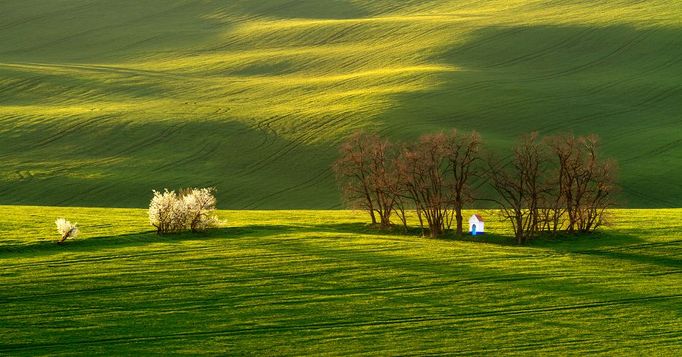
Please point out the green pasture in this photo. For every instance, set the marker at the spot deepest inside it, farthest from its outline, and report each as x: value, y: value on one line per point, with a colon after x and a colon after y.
x: 103, y: 101
x: 322, y: 282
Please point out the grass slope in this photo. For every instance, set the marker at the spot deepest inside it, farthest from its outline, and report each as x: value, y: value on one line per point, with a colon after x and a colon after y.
x: 316, y: 282
x: 102, y: 101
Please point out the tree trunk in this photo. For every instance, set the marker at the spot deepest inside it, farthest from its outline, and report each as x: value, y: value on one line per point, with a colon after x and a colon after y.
x: 374, y: 218
x: 64, y: 236
x: 460, y: 219
x: 519, y: 228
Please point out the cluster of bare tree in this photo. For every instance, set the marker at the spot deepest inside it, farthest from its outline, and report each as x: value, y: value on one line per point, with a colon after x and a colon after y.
x: 430, y: 176
x: 554, y: 184
x: 549, y: 185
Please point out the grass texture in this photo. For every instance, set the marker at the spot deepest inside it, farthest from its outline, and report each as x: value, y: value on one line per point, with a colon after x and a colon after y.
x: 321, y: 282
x: 103, y: 101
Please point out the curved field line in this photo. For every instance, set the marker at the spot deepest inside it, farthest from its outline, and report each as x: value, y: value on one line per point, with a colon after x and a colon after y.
x: 91, y: 30
x: 310, y: 132
x: 60, y: 135
x: 659, y: 150
x: 338, y: 324
x: 574, y: 38
x: 67, y: 10
x: 593, y: 63
x: 123, y: 71
x: 205, y: 151
x: 299, y: 186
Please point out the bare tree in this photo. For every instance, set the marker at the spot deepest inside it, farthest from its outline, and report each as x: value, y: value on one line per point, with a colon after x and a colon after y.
x: 585, y: 183
x: 566, y: 149
x: 423, y: 167
x: 398, y: 191
x: 520, y: 186
x: 383, y: 179
x: 554, y: 207
x: 462, y: 151
x: 594, y: 185
x: 365, y: 176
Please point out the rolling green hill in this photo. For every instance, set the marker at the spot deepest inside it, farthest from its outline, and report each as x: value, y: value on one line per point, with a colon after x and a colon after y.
x: 102, y: 101
x: 322, y: 283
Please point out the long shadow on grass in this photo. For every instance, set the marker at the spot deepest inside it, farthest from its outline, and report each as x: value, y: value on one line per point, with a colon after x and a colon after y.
x: 413, y: 277
x: 613, y: 245
x: 564, y: 243
x: 600, y: 243
x: 446, y: 271
x: 92, y: 244
x: 663, y: 261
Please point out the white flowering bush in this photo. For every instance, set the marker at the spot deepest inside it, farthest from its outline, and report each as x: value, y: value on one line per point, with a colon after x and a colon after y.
x: 66, y: 229
x: 166, y: 212
x: 200, y: 205
x: 192, y: 209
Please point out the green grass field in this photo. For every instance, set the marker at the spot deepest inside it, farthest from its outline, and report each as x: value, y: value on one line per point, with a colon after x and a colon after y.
x: 321, y: 282
x: 103, y: 101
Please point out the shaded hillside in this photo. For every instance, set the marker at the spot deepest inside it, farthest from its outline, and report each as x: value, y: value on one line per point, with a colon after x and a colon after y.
x: 100, y: 102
